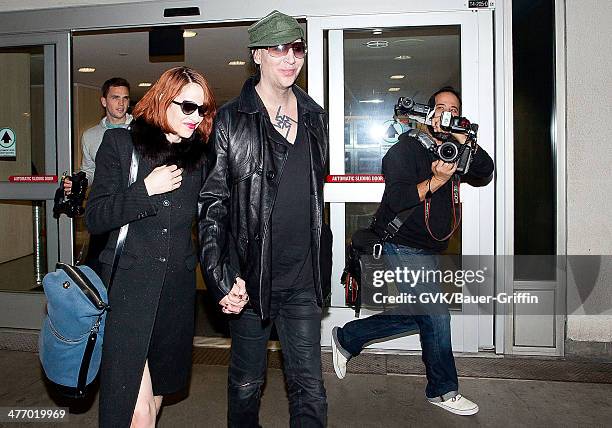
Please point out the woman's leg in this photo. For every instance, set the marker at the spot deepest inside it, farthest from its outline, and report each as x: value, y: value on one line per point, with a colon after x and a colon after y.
x: 147, y: 405
x: 158, y: 402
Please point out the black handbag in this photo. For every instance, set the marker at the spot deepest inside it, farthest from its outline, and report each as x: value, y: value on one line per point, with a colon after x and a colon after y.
x: 70, y: 341
x: 364, y: 257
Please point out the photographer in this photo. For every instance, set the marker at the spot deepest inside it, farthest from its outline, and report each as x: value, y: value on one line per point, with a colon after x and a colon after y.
x: 414, y: 178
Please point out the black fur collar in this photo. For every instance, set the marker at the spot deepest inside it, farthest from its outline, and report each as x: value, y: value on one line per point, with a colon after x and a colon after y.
x: 150, y: 142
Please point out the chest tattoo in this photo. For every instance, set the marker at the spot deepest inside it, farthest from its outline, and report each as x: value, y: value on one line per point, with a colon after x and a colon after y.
x: 283, y: 121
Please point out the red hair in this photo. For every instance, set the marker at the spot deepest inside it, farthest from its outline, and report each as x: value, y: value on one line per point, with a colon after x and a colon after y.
x: 156, y: 102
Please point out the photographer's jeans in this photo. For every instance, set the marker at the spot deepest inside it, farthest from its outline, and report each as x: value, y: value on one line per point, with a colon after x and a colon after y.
x: 297, y: 317
x: 433, y: 327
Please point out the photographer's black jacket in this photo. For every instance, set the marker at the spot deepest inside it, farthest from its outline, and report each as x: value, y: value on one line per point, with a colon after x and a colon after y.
x: 405, y: 165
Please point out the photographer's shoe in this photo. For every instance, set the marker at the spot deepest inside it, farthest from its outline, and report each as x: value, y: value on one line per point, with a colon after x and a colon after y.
x: 339, y: 355
x: 458, y: 405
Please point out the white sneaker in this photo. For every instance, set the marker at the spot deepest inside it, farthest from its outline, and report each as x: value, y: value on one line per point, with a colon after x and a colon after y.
x: 339, y: 355
x: 458, y: 405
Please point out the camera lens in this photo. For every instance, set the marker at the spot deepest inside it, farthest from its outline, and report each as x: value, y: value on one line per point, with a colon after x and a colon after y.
x: 406, y: 102
x: 448, y: 152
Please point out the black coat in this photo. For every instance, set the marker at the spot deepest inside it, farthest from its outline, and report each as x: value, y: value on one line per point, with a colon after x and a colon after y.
x: 153, y: 292
x: 237, y: 198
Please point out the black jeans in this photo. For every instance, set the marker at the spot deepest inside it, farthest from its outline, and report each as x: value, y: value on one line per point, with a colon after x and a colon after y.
x: 297, y: 317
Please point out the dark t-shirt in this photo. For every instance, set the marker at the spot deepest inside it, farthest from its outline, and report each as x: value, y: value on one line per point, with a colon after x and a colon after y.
x: 405, y: 165
x: 290, y: 224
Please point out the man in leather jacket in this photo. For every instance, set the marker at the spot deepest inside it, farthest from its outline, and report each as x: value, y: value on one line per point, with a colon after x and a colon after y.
x: 260, y: 219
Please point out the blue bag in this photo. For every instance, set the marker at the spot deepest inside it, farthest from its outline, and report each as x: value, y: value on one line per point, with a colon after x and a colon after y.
x: 70, y: 342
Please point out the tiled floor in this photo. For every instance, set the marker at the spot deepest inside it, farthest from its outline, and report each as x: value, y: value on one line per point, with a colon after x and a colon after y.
x: 360, y: 400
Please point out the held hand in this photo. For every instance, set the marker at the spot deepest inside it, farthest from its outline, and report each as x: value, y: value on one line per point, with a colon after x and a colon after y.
x: 435, y: 123
x: 442, y: 171
x: 162, y: 179
x: 67, y: 186
x: 236, y: 299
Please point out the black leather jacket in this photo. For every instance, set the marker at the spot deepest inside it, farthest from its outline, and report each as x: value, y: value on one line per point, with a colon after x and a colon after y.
x: 238, y: 195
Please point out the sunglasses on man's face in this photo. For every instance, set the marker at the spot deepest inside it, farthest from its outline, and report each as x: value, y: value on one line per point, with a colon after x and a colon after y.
x: 187, y: 107
x: 299, y: 49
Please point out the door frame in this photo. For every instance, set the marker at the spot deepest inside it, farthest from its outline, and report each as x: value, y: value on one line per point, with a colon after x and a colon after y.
x: 23, y: 310
x: 87, y: 17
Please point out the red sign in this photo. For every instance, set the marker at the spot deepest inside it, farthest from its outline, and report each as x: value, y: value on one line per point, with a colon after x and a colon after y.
x: 33, y: 178
x: 355, y: 178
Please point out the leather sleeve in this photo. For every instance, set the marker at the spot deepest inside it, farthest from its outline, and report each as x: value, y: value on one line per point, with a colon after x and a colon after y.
x: 218, y: 253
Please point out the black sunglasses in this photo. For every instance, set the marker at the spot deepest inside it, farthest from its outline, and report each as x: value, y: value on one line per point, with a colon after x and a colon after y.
x: 187, y: 107
x: 299, y: 49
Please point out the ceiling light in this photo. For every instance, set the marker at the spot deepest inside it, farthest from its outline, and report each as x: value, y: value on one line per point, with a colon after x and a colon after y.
x: 377, y: 44
x: 188, y: 33
x: 402, y: 57
x: 394, y: 89
x: 397, y: 76
x: 86, y: 70
x: 374, y: 101
x: 377, y: 31
x: 236, y: 62
x: 144, y: 84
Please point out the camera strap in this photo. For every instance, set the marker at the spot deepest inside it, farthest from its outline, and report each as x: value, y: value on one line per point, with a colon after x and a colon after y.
x: 389, y: 230
x: 456, y: 206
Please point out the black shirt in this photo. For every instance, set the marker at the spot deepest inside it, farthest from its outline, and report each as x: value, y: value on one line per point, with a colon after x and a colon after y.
x: 407, y: 164
x: 290, y: 224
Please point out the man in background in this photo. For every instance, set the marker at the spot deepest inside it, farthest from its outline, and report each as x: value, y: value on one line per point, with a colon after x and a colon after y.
x: 116, y: 100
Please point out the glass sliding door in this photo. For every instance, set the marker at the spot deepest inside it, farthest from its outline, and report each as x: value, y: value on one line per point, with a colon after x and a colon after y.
x: 371, y: 61
x: 34, y: 151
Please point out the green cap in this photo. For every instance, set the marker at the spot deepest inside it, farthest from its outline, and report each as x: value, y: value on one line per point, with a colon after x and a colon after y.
x: 274, y: 29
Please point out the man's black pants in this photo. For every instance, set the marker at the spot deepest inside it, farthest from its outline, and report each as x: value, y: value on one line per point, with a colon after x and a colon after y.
x: 297, y: 317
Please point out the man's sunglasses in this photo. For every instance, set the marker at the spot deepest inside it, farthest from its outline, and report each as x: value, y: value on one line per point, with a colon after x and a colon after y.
x: 187, y: 107
x: 299, y: 49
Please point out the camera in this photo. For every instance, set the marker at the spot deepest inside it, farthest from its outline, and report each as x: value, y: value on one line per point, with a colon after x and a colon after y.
x: 71, y: 204
x: 423, y: 113
x: 408, y: 107
x: 457, y: 124
x: 448, y: 151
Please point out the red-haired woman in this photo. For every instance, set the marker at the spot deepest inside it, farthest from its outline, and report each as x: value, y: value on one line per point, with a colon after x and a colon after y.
x: 149, y: 329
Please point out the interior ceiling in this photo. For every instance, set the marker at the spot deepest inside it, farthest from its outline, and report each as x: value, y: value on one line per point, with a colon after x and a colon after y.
x: 126, y: 54
x: 435, y: 62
